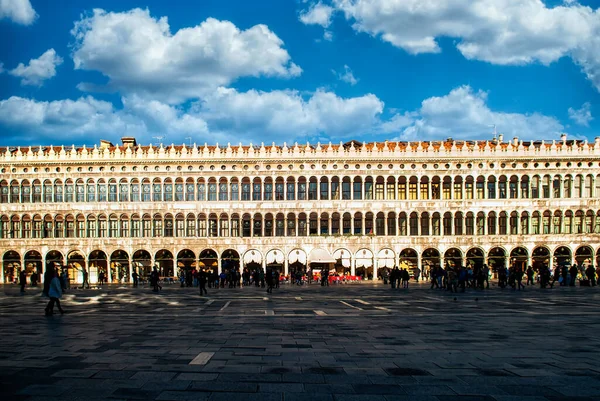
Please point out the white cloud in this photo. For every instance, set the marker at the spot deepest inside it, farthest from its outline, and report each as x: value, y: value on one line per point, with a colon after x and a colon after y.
x: 506, y: 32
x: 346, y: 76
x: 39, y: 69
x: 328, y: 36
x: 271, y: 116
x: 19, y: 11
x: 583, y: 116
x: 317, y: 14
x: 464, y: 114
x: 227, y: 115
x: 140, y: 55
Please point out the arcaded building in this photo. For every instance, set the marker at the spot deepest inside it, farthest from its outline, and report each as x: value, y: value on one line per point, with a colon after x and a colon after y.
x: 356, y: 207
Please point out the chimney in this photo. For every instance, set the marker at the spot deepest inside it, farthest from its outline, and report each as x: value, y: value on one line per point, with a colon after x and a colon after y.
x: 516, y: 141
x: 105, y: 144
x: 563, y: 138
x: 128, y: 141
x: 500, y: 138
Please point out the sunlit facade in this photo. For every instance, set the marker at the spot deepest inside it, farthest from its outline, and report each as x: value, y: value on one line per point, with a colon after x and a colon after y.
x: 367, y: 205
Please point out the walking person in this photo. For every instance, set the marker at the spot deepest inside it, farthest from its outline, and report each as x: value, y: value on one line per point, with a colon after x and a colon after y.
x: 23, y: 280
x: 591, y: 275
x: 136, y: 278
x: 202, y: 279
x: 55, y: 293
x: 154, y: 280
x: 84, y: 273
x: 269, y: 280
x: 530, y: 274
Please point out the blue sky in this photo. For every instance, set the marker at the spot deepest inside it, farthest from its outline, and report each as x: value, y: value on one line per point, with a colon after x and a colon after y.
x: 229, y: 71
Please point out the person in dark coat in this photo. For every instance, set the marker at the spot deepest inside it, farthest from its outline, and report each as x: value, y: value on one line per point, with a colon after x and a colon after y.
x: 23, y: 280
x: 202, y: 279
x: 154, y: 280
x: 591, y: 275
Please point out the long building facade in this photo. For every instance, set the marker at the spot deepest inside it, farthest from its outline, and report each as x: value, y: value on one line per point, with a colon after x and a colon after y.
x: 356, y: 207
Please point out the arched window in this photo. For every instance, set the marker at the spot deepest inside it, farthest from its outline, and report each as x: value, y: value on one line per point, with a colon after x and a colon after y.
x: 469, y: 187
x: 524, y: 223
x: 568, y: 186
x: 246, y: 189
x: 436, y: 224
x: 280, y: 223
x: 578, y: 222
x: 535, y: 223
x: 502, y: 223
x: 301, y: 188
x: 157, y: 226
x: 224, y: 230
x: 447, y: 223
x: 379, y: 188
x: 458, y: 223
x: 112, y: 191
x: 424, y: 188
x: 212, y: 189
x: 480, y: 187
x: 391, y: 188
x: 324, y: 224
x: 568, y: 222
x: 414, y: 223
x: 402, y: 188
x: 513, y: 187
x: 402, y: 224
x: 424, y: 223
x: 369, y: 188
x: 124, y: 226
x: 212, y: 225
x: 313, y: 224
x: 169, y: 226
x: 391, y: 223
x: 123, y: 191
x: 556, y: 222
x: 335, y: 188
x: 357, y: 189
x: 380, y: 224
x: 491, y: 220
x: 546, y: 186
x: 546, y: 222
x: 269, y: 225
x: 134, y: 190
x: 514, y: 223
x: 190, y: 225
x: 102, y: 226
x: 525, y: 187
x: 179, y: 190
x: 480, y: 223
x: 447, y: 188
x: 168, y: 190
x: 491, y: 186
x: 279, y: 189
x: 556, y: 186
x: 58, y: 192
x: 589, y: 221
x: 469, y: 224
x: 436, y: 192
x: 502, y: 192
x: 257, y: 225
x: 346, y: 190
x: 347, y: 223
x: 312, y: 188
x: 268, y: 189
x: 25, y: 192
x: 291, y: 224
x: 156, y: 191
x: 412, y: 188
x: 234, y: 189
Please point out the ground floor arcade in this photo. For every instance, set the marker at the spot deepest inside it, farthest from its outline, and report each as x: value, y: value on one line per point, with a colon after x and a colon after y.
x: 118, y: 264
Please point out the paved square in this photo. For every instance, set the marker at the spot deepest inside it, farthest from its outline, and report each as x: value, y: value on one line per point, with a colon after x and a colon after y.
x: 345, y: 342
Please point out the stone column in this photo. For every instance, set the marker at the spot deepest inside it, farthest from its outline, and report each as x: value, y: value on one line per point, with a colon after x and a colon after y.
x: 353, y: 266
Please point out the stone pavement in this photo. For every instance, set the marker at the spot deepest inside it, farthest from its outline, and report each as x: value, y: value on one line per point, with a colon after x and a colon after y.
x: 345, y: 342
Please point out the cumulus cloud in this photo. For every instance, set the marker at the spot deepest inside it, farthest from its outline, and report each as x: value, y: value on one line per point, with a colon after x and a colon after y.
x: 317, y: 14
x: 274, y: 115
x: 19, y: 11
x: 506, y: 32
x: 582, y: 116
x: 346, y: 76
x: 39, y: 69
x: 464, y: 114
x: 228, y: 115
x: 139, y: 54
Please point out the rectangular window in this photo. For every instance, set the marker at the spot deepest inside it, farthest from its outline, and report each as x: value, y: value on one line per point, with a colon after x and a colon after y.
x: 368, y: 190
x: 135, y: 192
x: 147, y: 228
x: 480, y: 189
x: 224, y: 228
x: 279, y: 191
x: 502, y: 190
x: 27, y: 229
x: 235, y: 192
x: 268, y: 195
x: 135, y: 228
x: 480, y: 225
x: 146, y: 193
x: 379, y: 191
x: 424, y: 190
x: 412, y: 191
x: 190, y: 228
x: 357, y: 191
x: 37, y: 229
x: 312, y: 191
x: 458, y: 225
x: 446, y: 190
x: 235, y: 228
x: 391, y: 191
x: 157, y: 228
x: 524, y: 189
x: 457, y: 190
x: 124, y: 193
x: 546, y: 224
x: 180, y: 228
x: 223, y: 192
x: 201, y: 192
x: 346, y: 191
x: 469, y: 229
x: 156, y: 193
x: 69, y: 193
x: 335, y: 226
x: 189, y: 192
x: 324, y: 191
x: 335, y: 190
x: 502, y: 225
x: 468, y: 190
x: 212, y: 192
x: 201, y: 228
x: 302, y: 191
x: 291, y: 228
x: 91, y: 229
x: 346, y: 226
x: 245, y: 192
x: 435, y: 225
x: 212, y: 227
x: 113, y: 228
x: 491, y: 190
x: 168, y: 189
x: 302, y: 228
x: 556, y: 224
x: 58, y: 194
x: 402, y: 223
x: 256, y: 195
x: 290, y: 191
x: 102, y: 228
x: 535, y: 225
x: 567, y: 227
x: 112, y: 193
x: 524, y: 225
